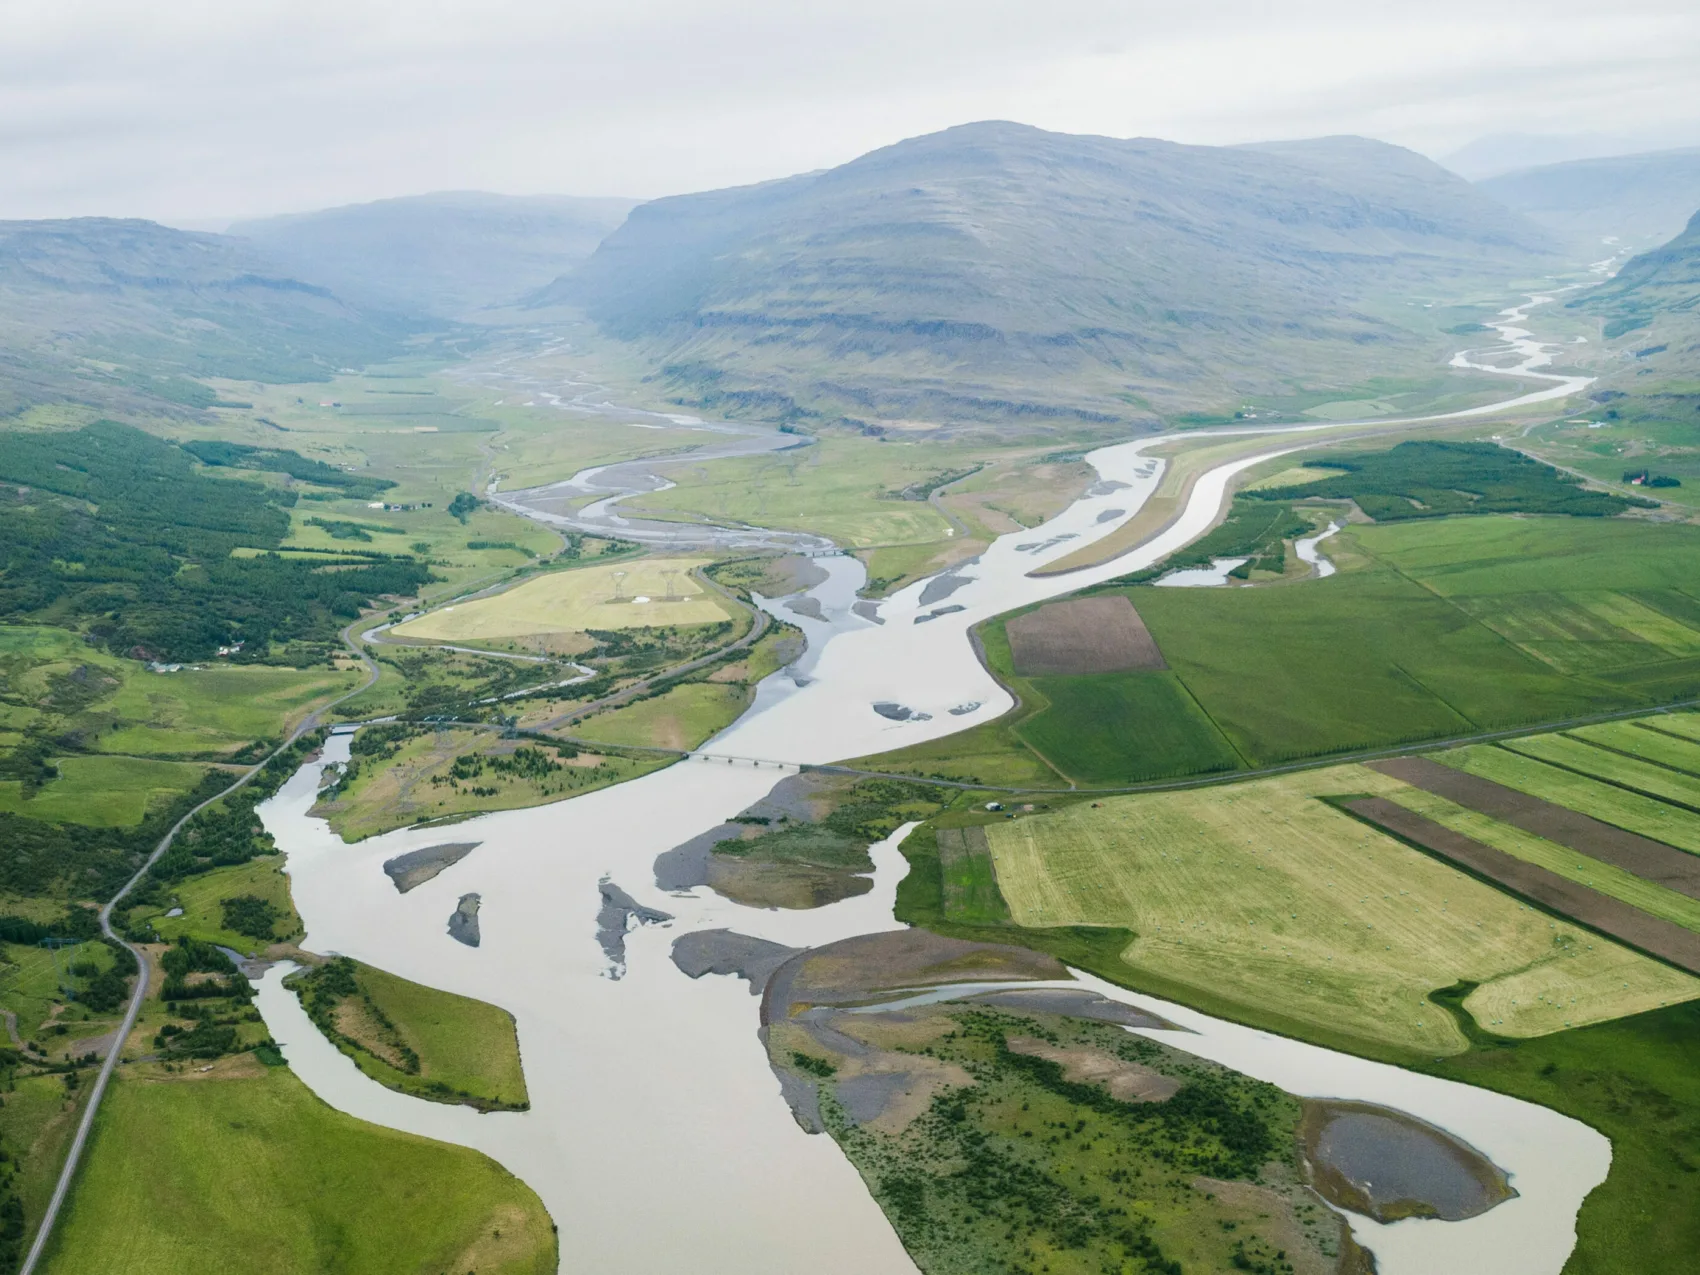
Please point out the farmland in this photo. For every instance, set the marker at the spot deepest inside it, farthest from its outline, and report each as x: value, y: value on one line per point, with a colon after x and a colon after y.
x: 592, y: 597
x: 1433, y: 628
x: 1261, y: 896
x: 680, y: 717
x: 1630, y: 810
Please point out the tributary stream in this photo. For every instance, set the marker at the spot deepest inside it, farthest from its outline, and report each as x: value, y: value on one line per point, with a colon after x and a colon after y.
x: 657, y: 1137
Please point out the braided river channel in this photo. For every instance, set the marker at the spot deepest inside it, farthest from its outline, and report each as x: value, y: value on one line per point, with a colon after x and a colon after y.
x: 657, y: 1136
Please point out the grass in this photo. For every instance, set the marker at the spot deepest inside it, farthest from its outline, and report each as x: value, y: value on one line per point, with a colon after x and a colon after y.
x: 1636, y: 1080
x: 1654, y: 899
x: 102, y: 792
x: 201, y: 897
x: 1120, y: 728
x: 1432, y: 629
x: 460, y: 1049
x: 838, y: 487
x: 249, y: 1171
x: 573, y: 601
x: 123, y: 708
x: 1684, y: 725
x: 681, y: 717
x: 1601, y: 763
x: 36, y: 1124
x: 30, y: 985
x: 418, y: 783
x: 1261, y: 895
x: 1632, y: 811
x: 1646, y: 739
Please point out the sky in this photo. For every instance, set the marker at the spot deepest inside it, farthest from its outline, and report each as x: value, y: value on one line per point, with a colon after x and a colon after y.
x: 195, y: 112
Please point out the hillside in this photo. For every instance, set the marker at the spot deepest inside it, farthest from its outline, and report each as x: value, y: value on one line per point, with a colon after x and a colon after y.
x: 121, y: 313
x: 997, y: 271
x: 1639, y: 199
x: 442, y: 254
x: 1656, y: 295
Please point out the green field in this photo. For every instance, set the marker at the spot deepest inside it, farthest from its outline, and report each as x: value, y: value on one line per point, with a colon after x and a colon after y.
x: 1432, y: 629
x: 844, y: 488
x: 251, y: 1172
x: 1686, y: 725
x: 1646, y: 739
x: 1117, y: 728
x: 1650, y: 897
x: 1629, y: 810
x: 1261, y: 897
x: 681, y: 717
x: 1579, y: 755
x: 103, y: 792
x: 416, y: 1039
x: 593, y: 597
x: 202, y: 896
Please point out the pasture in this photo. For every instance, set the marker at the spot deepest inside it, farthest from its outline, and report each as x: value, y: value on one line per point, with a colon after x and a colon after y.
x: 245, y: 1170
x: 680, y: 717
x: 202, y: 897
x: 1647, y: 739
x: 1263, y: 897
x: 102, y: 792
x: 592, y: 597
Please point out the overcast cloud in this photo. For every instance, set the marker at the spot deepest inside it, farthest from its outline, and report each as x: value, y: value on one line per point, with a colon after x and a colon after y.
x: 194, y: 110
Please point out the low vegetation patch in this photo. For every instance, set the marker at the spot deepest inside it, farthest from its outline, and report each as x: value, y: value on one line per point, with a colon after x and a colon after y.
x: 416, y: 1039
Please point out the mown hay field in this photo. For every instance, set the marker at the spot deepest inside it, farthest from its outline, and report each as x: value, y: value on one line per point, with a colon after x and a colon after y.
x: 1262, y: 895
x: 573, y: 601
x: 1602, y: 763
x: 1649, y: 896
x: 1610, y: 804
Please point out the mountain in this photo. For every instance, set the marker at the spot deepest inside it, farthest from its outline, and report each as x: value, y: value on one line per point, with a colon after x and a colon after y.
x: 1640, y: 200
x: 999, y: 271
x: 1656, y: 298
x: 1500, y: 153
x: 443, y: 255
x: 124, y: 313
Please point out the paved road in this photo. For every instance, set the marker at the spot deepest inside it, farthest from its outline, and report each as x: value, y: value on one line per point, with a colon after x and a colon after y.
x: 62, y: 1188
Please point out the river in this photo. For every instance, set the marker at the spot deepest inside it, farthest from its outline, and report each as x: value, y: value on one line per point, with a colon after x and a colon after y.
x: 657, y: 1137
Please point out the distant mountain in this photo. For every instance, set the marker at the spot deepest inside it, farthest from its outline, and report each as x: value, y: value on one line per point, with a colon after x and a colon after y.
x: 995, y: 270
x: 444, y: 255
x: 1639, y: 199
x: 1655, y: 299
x: 1500, y: 153
x: 121, y: 313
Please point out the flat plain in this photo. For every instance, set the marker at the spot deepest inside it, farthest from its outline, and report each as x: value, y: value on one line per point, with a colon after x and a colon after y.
x: 1260, y: 894
x: 593, y: 597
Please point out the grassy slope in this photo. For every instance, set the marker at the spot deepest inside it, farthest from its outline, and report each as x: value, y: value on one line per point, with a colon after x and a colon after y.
x: 102, y: 792
x: 254, y: 1173
x: 1263, y: 894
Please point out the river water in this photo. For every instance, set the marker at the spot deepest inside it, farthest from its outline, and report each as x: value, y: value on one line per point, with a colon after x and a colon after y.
x: 657, y: 1136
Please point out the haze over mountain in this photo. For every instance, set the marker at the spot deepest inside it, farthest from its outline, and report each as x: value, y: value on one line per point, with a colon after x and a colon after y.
x: 1500, y: 153
x: 996, y: 269
x: 1655, y: 301
x: 119, y: 313
x: 445, y: 254
x: 1639, y: 199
